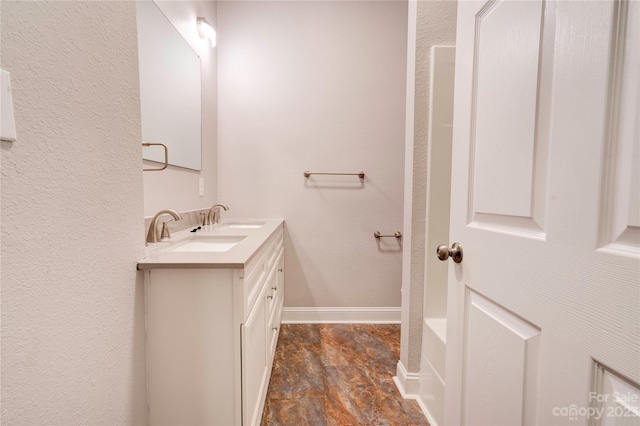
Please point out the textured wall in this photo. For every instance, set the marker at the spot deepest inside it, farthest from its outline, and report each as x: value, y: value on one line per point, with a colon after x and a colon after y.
x: 435, y: 25
x: 177, y: 188
x: 318, y: 86
x: 72, y: 209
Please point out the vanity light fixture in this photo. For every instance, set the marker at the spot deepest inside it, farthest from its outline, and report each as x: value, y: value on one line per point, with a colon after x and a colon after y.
x: 206, y: 31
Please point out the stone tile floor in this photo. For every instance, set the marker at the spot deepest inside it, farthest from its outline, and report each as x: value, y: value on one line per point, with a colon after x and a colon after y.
x: 337, y: 374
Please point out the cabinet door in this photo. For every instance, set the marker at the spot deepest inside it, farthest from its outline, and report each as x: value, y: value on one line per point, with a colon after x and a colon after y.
x: 254, y: 363
x: 192, y: 368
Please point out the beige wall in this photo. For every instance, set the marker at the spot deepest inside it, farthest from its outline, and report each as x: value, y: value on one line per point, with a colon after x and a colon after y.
x: 72, y: 208
x: 318, y: 86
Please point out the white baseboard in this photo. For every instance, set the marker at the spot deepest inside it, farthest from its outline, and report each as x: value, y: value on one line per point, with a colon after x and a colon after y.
x: 408, y: 383
x: 409, y: 386
x: 426, y: 412
x: 304, y: 315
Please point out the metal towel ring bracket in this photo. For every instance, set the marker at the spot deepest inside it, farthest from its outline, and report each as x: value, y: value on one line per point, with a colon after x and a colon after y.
x: 166, y: 156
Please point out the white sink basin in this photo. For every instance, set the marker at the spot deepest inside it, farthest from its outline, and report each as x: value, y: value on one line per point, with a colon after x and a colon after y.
x: 208, y: 244
x: 244, y: 225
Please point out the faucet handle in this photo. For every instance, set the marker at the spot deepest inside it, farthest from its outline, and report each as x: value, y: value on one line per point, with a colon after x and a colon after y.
x: 165, y: 235
x: 206, y: 220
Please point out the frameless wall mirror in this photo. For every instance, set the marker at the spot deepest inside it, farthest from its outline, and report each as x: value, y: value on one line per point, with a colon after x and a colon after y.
x: 170, y: 90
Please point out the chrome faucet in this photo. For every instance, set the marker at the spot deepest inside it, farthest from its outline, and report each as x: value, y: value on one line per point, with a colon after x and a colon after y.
x: 152, y: 235
x: 214, y: 213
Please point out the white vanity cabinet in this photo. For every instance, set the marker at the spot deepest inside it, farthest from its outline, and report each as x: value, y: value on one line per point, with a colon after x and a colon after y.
x: 211, y: 337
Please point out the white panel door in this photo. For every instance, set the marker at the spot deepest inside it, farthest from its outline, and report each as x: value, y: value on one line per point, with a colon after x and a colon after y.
x: 544, y: 309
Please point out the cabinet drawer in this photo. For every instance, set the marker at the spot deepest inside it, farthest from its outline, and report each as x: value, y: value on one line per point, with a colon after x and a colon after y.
x: 259, y: 267
x: 273, y: 248
x: 254, y: 275
x: 274, y: 305
x: 271, y: 292
x: 273, y: 325
x: 275, y: 284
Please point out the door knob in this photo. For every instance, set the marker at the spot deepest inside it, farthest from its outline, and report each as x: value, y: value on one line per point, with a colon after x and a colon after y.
x: 455, y: 252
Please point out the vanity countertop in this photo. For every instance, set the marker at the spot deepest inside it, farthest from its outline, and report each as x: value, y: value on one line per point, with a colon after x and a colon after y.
x: 167, y: 255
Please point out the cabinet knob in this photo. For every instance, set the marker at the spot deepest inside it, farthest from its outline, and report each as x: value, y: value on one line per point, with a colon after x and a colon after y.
x: 280, y: 270
x: 275, y: 328
x: 270, y: 296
